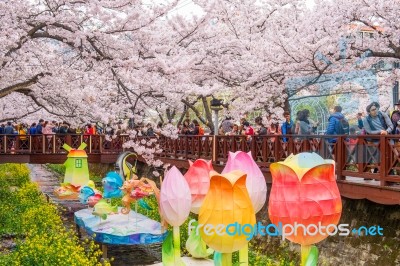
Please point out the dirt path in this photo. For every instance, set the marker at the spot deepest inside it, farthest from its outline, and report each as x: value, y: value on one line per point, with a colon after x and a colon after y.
x: 48, y: 181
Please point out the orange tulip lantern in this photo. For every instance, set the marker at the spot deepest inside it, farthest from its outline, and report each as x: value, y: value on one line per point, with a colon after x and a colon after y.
x: 198, y: 178
x: 305, y: 201
x: 255, y: 184
x: 227, y: 204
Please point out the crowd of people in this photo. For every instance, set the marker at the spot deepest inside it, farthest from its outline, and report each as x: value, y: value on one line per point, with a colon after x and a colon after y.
x: 376, y: 122
x: 52, y: 127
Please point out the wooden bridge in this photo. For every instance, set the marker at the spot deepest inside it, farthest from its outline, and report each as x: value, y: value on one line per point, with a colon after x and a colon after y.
x: 366, y: 166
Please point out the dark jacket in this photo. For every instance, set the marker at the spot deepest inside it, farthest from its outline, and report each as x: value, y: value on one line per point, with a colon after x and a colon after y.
x: 333, y: 121
x: 39, y: 128
x: 8, y: 130
x: 32, y: 131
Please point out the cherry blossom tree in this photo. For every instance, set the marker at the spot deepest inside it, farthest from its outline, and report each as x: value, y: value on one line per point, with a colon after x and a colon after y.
x: 69, y: 56
x: 106, y: 60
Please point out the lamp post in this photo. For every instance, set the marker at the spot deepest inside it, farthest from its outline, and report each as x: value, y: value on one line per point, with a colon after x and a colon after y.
x: 216, y: 105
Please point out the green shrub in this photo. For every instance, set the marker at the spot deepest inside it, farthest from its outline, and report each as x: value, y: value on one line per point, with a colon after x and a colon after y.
x: 58, y: 168
x: 13, y: 175
x: 41, y: 236
x: 15, y: 204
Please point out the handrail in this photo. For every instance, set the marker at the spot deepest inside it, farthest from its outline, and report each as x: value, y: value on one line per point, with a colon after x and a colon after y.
x: 363, y: 156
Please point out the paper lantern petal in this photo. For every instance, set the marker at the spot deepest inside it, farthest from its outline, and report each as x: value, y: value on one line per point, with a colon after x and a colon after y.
x: 227, y: 202
x: 175, y: 198
x: 198, y: 179
x: 255, y: 182
x: 304, y: 196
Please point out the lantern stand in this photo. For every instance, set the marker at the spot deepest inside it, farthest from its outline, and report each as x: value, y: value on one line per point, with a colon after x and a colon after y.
x: 216, y: 106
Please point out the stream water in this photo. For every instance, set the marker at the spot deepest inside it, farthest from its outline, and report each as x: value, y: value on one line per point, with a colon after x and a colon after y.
x: 122, y: 254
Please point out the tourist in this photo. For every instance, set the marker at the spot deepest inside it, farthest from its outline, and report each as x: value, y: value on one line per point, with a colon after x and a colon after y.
x: 395, y: 115
x: 235, y: 131
x: 39, y: 127
x: 32, y: 129
x: 64, y: 126
x: 194, y: 128
x: 248, y: 130
x: 303, y: 126
x: 48, y: 132
x: 260, y: 129
x: 338, y: 124
x: 288, y: 126
x: 360, y: 123
x: 22, y: 131
x: 226, y: 126
x: 90, y: 129
x: 313, y: 124
x: 9, y: 129
x: 377, y: 122
x: 184, y: 128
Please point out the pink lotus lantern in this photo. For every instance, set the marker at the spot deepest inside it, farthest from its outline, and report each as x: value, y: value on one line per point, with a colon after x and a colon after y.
x: 175, y: 203
x: 175, y: 199
x: 255, y: 182
x: 198, y: 178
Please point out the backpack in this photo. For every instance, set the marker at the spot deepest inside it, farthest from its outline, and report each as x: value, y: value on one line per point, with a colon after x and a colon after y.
x: 201, y: 130
x: 342, y: 127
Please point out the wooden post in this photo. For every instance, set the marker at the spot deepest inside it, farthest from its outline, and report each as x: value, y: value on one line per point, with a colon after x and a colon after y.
x: 383, y: 159
x: 186, y: 147
x: 30, y: 143
x: 68, y: 140
x: 361, y: 150
x: 253, y: 144
x: 43, y: 144
x: 339, y: 156
x: 101, y: 143
x: 53, y: 137
x: 277, y: 148
x: 291, y: 148
x: 90, y: 143
x: 199, y: 146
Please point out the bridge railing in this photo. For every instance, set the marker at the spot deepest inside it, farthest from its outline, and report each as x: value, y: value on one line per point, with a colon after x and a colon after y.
x: 53, y: 144
x: 366, y: 156
x: 371, y: 157
x: 187, y: 147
